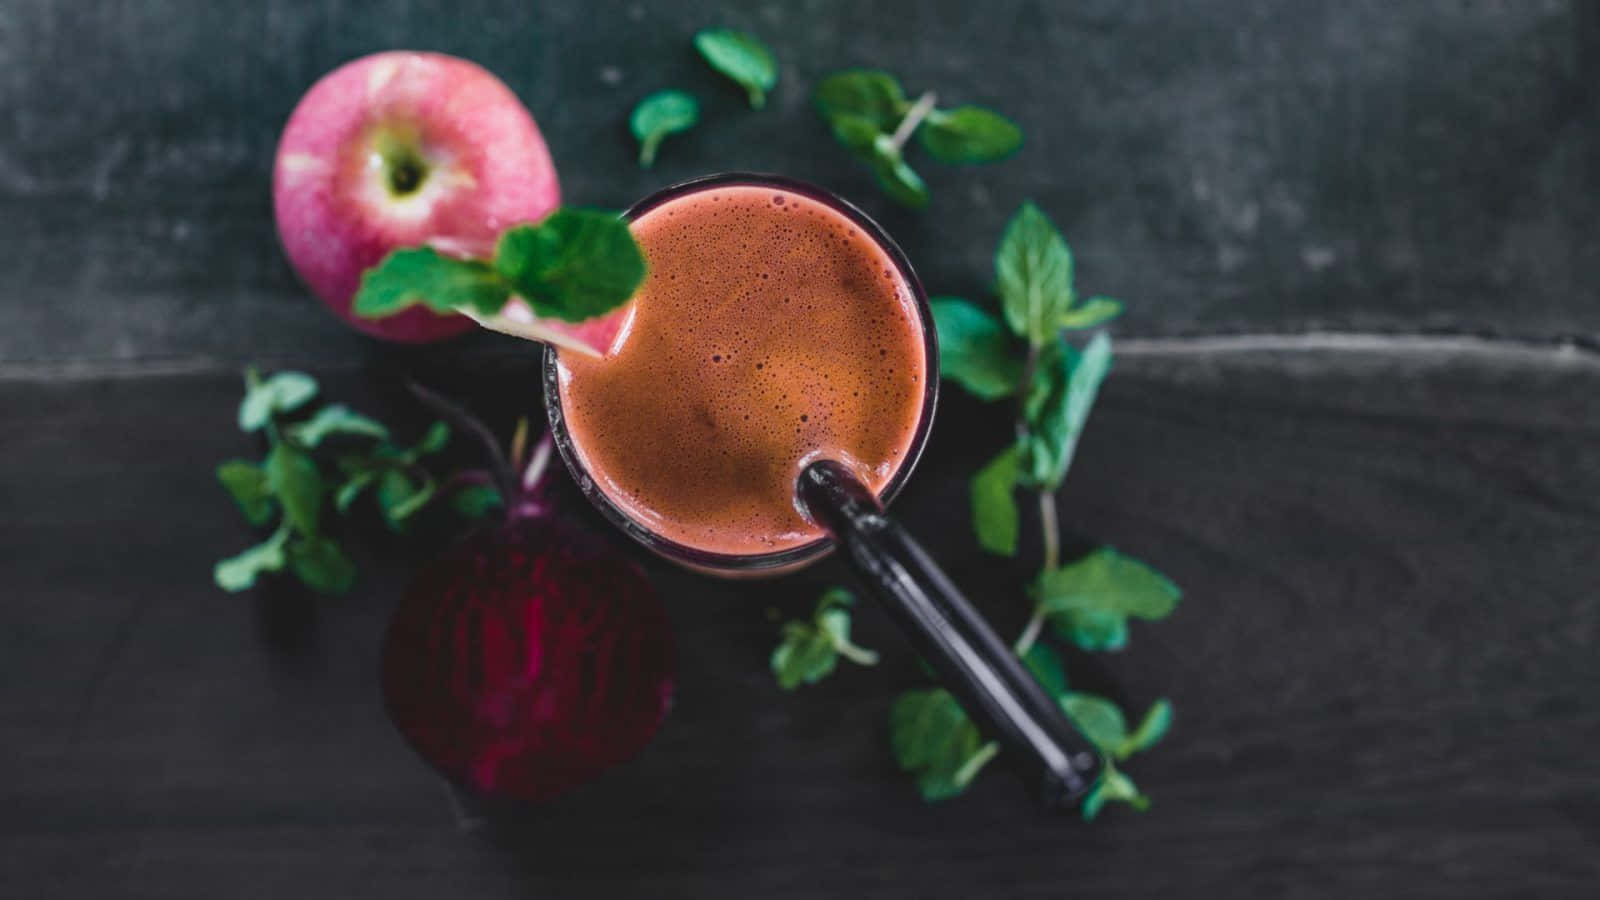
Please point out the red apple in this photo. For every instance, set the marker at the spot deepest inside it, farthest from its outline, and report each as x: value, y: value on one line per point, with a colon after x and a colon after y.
x: 399, y: 149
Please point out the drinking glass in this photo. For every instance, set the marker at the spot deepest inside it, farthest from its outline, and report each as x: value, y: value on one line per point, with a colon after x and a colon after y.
x: 971, y: 660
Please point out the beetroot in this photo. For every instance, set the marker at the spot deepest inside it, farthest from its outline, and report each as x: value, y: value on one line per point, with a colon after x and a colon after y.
x: 530, y: 657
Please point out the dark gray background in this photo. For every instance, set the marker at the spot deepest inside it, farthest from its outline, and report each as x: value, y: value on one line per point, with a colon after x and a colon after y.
x: 1354, y: 416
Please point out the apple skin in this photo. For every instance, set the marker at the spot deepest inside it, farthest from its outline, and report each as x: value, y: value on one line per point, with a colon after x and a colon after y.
x: 475, y: 164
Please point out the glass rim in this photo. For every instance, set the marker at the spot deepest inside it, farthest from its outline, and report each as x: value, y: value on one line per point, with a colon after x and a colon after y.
x: 792, y: 556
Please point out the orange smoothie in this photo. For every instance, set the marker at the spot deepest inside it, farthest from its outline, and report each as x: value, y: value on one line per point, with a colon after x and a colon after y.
x: 771, y: 331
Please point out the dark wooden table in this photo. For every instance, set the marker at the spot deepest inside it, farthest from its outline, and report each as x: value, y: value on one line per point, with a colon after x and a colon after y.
x: 1356, y: 415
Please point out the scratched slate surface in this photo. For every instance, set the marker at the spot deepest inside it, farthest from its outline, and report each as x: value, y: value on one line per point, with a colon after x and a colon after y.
x: 1385, y: 667
x: 1226, y: 166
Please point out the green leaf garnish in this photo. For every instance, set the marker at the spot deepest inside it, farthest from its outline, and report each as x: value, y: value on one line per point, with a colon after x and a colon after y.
x: 352, y: 488
x: 1047, y: 668
x: 856, y: 133
x: 1063, y: 391
x: 933, y: 739
x: 335, y: 419
x: 1113, y: 785
x: 282, y: 393
x: 1093, y: 311
x: 1089, y: 601
x: 400, y: 497
x: 1100, y: 720
x: 994, y: 507
x: 1108, y: 581
x: 1152, y: 728
x: 742, y: 58
x: 975, y: 350
x: 237, y: 573
x: 969, y: 134
x: 433, y: 440
x: 868, y: 113
x: 658, y: 115
x: 295, y: 480
x: 247, y: 483
x: 422, y: 275
x: 574, y: 265
x: 476, y: 501
x: 872, y: 99
x: 1033, y: 273
x: 321, y: 565
x: 1092, y: 631
x: 897, y: 179
x: 810, y: 651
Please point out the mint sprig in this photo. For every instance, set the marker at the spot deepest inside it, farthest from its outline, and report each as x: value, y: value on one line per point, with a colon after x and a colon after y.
x: 658, y: 115
x: 741, y: 57
x: 869, y: 114
x: 573, y: 265
x: 810, y: 650
x: 1090, y: 600
x: 934, y: 740
x: 936, y: 743
x: 293, y: 486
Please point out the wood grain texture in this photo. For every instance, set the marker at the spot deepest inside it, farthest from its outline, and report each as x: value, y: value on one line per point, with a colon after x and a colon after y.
x: 1225, y: 166
x: 1384, y: 667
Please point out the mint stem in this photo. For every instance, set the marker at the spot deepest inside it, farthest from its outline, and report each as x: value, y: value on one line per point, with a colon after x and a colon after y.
x: 861, y: 656
x: 1030, y: 634
x: 969, y: 769
x: 914, y: 117
x: 1052, y: 557
x: 1052, y: 531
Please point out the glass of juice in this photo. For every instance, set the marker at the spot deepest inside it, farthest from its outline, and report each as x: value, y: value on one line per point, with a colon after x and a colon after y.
x: 771, y: 391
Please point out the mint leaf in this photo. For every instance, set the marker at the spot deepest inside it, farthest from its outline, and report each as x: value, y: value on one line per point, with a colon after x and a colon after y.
x: 1097, y: 718
x: 1107, y: 581
x: 476, y: 501
x: 1046, y: 668
x: 1113, y: 785
x: 1033, y: 272
x: 969, y: 134
x: 574, y: 265
x: 399, y: 497
x: 333, y: 419
x: 247, y: 482
x: 421, y: 275
x: 1092, y: 631
x: 857, y: 133
x: 658, y: 115
x: 933, y: 739
x: 835, y: 597
x: 321, y: 565
x: 352, y: 488
x: 742, y: 58
x: 1093, y: 311
x: 994, y: 505
x: 1152, y: 728
x: 974, y: 349
x: 872, y: 97
x: 281, y: 393
x: 804, y: 656
x: 237, y: 573
x: 810, y: 651
x: 898, y: 180
x: 295, y: 480
x: 1065, y: 385
x: 433, y: 440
